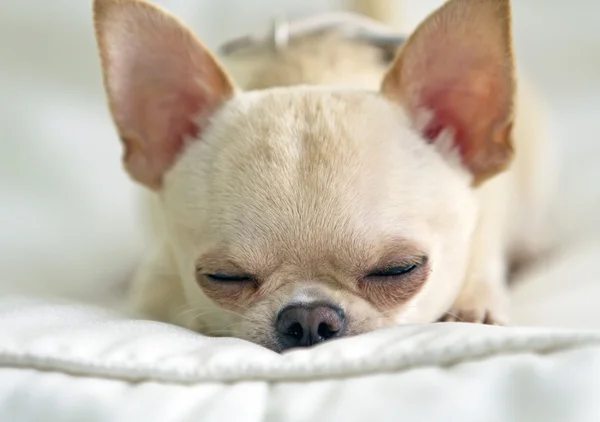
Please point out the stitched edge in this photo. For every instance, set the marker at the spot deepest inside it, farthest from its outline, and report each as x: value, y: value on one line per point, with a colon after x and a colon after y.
x: 436, y: 357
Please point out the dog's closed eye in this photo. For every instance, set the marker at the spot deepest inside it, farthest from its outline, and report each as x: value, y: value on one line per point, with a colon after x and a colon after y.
x: 395, y: 283
x: 229, y: 288
x: 228, y: 278
x: 395, y: 270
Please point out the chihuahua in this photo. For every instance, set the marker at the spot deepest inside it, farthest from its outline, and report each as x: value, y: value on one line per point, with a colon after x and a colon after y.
x: 328, y: 193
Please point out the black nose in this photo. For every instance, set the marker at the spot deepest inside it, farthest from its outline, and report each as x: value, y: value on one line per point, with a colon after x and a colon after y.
x: 305, y: 325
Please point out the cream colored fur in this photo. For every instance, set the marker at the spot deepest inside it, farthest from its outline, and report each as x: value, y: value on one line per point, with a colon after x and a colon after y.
x: 309, y: 170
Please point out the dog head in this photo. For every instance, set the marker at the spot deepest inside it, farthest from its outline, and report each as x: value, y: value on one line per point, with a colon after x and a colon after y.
x: 305, y: 213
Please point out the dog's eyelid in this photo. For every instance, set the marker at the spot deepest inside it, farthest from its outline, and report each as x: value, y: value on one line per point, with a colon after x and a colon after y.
x: 229, y: 278
x: 401, y: 261
x: 415, y: 262
x: 217, y: 264
x: 219, y: 270
x: 225, y: 271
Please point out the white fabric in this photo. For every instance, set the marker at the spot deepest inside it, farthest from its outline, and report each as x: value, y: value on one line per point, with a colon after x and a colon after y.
x: 66, y: 362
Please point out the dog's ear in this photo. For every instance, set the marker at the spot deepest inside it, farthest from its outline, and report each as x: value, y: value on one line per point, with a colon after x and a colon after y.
x: 455, y: 76
x: 162, y: 83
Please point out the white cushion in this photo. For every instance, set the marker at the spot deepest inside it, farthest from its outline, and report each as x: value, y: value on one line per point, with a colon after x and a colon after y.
x: 69, y: 362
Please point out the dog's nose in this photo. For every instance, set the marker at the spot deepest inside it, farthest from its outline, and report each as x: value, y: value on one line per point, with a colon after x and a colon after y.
x: 305, y: 325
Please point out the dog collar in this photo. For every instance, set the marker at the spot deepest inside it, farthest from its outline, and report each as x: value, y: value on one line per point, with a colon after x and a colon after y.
x: 349, y: 25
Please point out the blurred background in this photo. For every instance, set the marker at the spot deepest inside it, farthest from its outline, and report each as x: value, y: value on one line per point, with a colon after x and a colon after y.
x: 68, y: 223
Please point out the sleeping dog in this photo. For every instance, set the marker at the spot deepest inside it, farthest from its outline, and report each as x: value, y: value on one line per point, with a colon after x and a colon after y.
x: 329, y: 192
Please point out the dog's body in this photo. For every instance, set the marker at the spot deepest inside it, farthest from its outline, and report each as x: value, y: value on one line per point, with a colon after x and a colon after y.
x: 311, y: 186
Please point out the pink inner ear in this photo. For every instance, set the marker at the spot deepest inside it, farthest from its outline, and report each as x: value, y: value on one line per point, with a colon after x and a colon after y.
x: 457, y: 70
x: 157, y: 99
x: 441, y: 119
x: 163, y: 85
x: 477, y: 110
x: 467, y: 107
x: 180, y: 127
x: 161, y: 121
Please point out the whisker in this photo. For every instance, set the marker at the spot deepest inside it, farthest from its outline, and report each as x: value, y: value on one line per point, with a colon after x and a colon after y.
x: 455, y: 316
x: 206, y: 310
x: 222, y: 330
